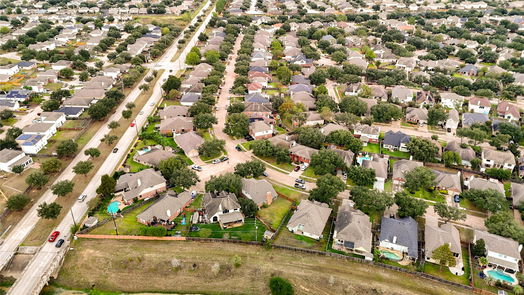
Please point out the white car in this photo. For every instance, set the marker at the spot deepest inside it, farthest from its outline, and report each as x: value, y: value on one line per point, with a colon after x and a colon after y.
x: 216, y: 161
x: 196, y: 167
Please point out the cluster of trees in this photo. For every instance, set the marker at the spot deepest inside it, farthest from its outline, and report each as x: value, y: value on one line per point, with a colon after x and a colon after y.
x: 211, y: 148
x: 242, y: 62
x: 253, y: 169
x: 328, y: 187
x: 176, y: 172
x: 264, y: 148
x: 42, y: 32
x: 104, y: 107
x: 228, y: 182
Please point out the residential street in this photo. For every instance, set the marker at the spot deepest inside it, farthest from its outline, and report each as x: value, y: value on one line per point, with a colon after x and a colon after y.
x: 38, y: 270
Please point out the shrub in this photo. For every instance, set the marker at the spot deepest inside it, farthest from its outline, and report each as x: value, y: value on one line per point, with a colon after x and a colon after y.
x: 280, y: 286
x: 154, y: 231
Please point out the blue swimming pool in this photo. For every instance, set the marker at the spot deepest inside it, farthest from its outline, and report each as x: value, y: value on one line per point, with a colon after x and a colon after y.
x: 390, y: 255
x: 500, y: 276
x: 113, y: 207
x: 361, y: 159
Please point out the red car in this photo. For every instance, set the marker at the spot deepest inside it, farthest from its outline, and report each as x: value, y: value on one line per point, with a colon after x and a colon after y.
x: 53, y: 236
x: 297, y: 168
x: 132, y: 124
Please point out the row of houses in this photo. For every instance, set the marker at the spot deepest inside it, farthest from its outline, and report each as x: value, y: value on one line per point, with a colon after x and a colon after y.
x: 398, y: 238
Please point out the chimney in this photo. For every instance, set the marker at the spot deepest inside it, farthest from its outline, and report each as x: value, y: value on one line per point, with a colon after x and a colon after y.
x: 269, y: 198
x: 139, y: 182
x: 394, y: 239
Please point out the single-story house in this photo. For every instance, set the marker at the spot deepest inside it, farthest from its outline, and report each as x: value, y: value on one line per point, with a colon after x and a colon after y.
x: 189, y: 142
x: 165, y: 209
x: 309, y: 219
x: 12, y: 158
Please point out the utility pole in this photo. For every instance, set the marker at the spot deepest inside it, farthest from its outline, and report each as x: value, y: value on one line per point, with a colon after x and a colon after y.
x: 114, y: 222
x: 71, y: 210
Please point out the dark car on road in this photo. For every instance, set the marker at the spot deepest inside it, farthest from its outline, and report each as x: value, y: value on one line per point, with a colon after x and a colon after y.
x: 59, y: 243
x: 238, y: 148
x: 298, y: 180
x: 115, y: 150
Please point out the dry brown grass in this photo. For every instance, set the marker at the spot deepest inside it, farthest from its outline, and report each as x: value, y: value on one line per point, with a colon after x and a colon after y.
x: 145, y: 266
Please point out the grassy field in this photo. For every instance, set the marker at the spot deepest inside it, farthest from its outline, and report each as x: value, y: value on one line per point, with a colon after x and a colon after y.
x: 105, y: 263
x: 275, y: 213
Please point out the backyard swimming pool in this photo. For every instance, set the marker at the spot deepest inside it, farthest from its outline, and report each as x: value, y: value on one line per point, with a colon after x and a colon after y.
x: 390, y: 255
x: 500, y: 276
x: 113, y: 207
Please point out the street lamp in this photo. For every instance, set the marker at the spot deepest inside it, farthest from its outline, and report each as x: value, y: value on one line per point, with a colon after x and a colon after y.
x: 71, y: 210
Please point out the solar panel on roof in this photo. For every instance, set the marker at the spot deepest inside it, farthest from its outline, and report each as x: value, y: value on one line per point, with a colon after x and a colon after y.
x: 23, y: 137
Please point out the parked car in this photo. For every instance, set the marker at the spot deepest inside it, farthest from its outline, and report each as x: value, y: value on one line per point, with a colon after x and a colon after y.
x: 196, y: 167
x: 298, y: 180
x: 141, y: 112
x: 223, y: 159
x: 296, y: 168
x: 194, y: 228
x: 300, y: 186
x: 132, y: 124
x: 82, y: 198
x: 456, y: 198
x: 53, y: 236
x: 265, y: 174
x: 304, y: 166
x: 216, y: 161
x: 249, y: 138
x: 59, y: 243
x: 115, y: 150
x: 238, y: 148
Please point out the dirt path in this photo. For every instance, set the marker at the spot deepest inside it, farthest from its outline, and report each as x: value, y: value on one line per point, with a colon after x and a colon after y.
x: 146, y: 266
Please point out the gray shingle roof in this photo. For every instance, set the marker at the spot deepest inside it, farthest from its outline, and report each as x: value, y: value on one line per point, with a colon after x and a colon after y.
x: 395, y: 138
x: 353, y: 225
x: 404, y: 231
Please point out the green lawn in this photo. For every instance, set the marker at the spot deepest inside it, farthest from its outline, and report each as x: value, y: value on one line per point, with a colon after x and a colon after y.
x: 427, y: 195
x: 134, y: 166
x: 53, y: 86
x: 388, y: 186
x: 246, y: 232
x: 309, y: 172
x: 465, y: 203
x: 280, y: 130
x: 284, y: 166
x: 444, y: 273
x: 126, y: 225
x: 397, y: 154
x: 507, y: 189
x: 292, y: 194
x: 275, y: 213
x: 372, y: 148
x: 9, y: 122
x: 247, y: 144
